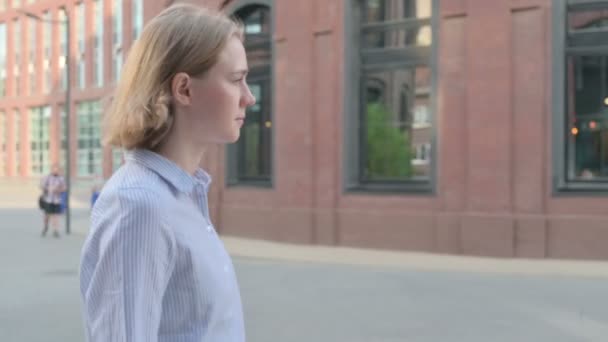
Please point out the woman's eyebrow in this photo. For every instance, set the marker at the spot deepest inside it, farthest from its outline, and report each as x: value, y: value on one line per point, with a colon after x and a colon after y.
x: 240, y: 72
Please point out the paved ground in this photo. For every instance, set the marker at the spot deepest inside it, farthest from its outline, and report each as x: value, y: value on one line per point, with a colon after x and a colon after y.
x: 298, y: 293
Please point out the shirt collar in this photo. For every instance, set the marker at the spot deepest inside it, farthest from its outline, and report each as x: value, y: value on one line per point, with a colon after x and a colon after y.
x: 168, y: 170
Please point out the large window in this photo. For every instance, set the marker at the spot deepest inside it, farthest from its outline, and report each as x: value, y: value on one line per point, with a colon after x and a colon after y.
x: 581, y: 96
x: 63, y: 137
x: 17, y: 118
x: 3, y: 58
x: 63, y: 50
x: 81, y: 56
x: 33, y: 46
x: 17, y: 61
x: 251, y: 158
x: 138, y: 17
x: 40, y: 120
x: 47, y: 53
x: 98, y: 43
x: 89, y: 138
x: 117, y: 34
x: 389, y: 120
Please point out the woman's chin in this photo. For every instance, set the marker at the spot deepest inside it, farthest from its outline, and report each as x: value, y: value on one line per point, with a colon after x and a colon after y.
x: 232, y: 138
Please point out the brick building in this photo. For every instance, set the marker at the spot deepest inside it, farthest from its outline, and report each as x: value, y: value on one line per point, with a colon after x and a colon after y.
x: 452, y: 126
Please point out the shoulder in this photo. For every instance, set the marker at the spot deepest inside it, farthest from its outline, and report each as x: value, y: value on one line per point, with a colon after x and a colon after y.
x: 129, y: 223
x: 131, y: 215
x: 134, y: 190
x: 134, y: 182
x: 130, y: 201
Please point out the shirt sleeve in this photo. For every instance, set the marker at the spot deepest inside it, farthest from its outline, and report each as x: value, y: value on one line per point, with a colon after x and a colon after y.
x: 134, y: 258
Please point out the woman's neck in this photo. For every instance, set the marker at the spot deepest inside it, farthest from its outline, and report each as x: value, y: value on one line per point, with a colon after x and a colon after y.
x: 185, y: 155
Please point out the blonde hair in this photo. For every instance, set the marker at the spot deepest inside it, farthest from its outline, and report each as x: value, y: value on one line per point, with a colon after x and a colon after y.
x: 182, y: 38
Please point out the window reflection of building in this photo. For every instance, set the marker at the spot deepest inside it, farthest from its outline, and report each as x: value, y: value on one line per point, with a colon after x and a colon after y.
x: 254, y: 147
x: 587, y: 96
x: 396, y: 39
x: 406, y: 94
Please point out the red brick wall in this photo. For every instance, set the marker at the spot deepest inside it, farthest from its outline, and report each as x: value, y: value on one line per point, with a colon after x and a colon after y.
x: 494, y: 192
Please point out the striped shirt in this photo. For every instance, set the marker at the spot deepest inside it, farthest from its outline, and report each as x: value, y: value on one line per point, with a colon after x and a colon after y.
x: 153, y: 268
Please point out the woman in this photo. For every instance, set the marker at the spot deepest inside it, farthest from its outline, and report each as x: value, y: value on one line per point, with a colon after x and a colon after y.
x: 52, y: 185
x: 153, y: 267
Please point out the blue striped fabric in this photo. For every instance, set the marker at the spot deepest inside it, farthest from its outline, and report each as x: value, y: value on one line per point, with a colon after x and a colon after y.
x: 153, y: 267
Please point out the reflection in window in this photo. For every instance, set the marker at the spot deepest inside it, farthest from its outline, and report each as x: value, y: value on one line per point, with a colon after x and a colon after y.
x: 396, y: 23
x: 588, y: 142
x: 395, y: 127
x: 254, y: 148
x: 390, y: 132
x: 586, y: 126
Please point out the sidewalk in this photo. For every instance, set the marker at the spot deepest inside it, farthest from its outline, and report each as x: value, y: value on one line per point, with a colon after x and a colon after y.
x: 23, y: 193
x: 248, y: 248
x: 283, y: 252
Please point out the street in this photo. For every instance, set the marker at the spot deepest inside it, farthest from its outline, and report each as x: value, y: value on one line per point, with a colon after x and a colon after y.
x: 300, y: 301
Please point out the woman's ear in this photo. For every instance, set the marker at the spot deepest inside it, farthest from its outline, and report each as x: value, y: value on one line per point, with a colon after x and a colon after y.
x: 180, y: 89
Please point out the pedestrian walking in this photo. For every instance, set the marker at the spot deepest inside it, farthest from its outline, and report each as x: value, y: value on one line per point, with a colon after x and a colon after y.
x: 52, y: 186
x: 153, y: 267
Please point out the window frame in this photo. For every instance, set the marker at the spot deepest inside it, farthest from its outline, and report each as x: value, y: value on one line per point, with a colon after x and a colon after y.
x: 17, y: 47
x: 3, y: 142
x: 118, y: 27
x: 234, y: 178
x: 354, y: 70
x: 91, y: 111
x: 98, y: 54
x: 39, y: 143
x: 561, y: 184
x: 4, y: 55
x: 18, y: 140
x: 32, y: 63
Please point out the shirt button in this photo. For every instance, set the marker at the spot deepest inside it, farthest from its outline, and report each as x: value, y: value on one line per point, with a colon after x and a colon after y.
x: 226, y: 268
x: 209, y: 228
